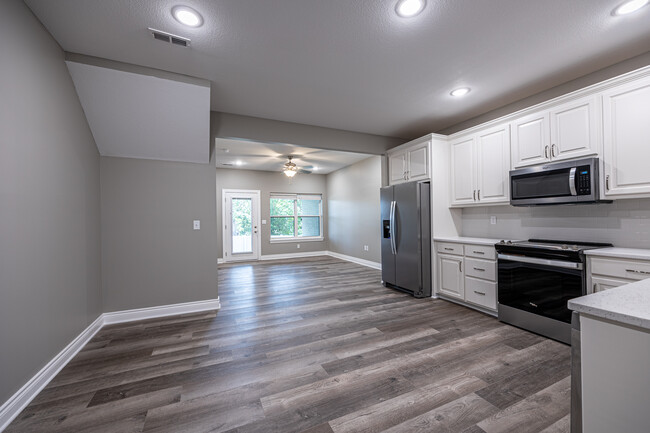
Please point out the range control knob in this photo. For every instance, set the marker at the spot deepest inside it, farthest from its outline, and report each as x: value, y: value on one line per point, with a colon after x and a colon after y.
x: 565, y: 247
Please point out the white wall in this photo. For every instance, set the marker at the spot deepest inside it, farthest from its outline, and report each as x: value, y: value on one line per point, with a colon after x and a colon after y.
x: 624, y: 223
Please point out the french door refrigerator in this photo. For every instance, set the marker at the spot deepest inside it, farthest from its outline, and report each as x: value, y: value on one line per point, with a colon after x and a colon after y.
x: 406, y: 238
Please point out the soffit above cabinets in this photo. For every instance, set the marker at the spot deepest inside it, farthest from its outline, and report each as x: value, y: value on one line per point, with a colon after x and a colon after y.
x: 143, y: 116
x: 357, y: 65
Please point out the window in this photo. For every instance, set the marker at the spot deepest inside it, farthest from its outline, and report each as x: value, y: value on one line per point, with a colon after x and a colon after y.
x: 296, y: 217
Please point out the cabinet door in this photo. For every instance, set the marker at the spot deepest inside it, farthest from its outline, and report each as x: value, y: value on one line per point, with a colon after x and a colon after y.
x: 626, y: 120
x: 493, y: 164
x: 418, y: 162
x: 450, y: 276
x: 574, y: 129
x: 397, y: 168
x: 599, y: 283
x: 463, y: 172
x: 531, y: 140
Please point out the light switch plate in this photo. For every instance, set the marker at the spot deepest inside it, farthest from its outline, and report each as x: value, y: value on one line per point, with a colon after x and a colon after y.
x: 493, y: 220
x: 197, y: 224
x: 263, y: 221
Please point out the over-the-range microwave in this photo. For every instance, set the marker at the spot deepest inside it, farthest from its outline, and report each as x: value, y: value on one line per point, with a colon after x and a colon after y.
x: 570, y: 182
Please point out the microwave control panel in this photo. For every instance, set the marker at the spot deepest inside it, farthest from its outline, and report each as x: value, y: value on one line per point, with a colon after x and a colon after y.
x: 584, y: 180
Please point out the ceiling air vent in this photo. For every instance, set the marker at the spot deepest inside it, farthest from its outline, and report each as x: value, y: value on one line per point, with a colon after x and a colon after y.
x: 169, y: 38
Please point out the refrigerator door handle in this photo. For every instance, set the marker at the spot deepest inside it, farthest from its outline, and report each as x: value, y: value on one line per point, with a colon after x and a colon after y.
x: 393, y: 244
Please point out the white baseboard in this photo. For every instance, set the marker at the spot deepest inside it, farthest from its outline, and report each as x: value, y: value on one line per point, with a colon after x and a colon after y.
x: 370, y: 264
x: 293, y: 255
x: 19, y: 401
x: 162, y: 311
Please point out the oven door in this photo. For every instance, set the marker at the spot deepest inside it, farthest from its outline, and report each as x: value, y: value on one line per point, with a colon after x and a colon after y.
x: 539, y: 286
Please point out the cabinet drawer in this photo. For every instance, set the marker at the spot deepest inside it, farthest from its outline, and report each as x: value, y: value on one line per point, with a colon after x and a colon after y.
x: 478, y: 268
x: 481, y: 292
x: 481, y: 251
x: 630, y: 269
x: 450, y: 248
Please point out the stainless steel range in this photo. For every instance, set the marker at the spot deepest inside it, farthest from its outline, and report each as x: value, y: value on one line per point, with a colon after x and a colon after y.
x: 536, y: 280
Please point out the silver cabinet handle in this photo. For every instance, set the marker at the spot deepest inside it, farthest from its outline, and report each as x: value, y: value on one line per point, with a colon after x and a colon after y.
x: 607, y: 182
x: 479, y: 293
x: 634, y: 271
x: 460, y: 266
x: 449, y: 249
x: 474, y: 195
x: 595, y: 285
x: 479, y: 195
x: 553, y: 147
x: 479, y: 269
x: 546, y: 152
x: 479, y: 252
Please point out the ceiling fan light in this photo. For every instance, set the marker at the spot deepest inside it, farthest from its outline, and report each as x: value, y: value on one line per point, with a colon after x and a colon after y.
x: 290, y: 172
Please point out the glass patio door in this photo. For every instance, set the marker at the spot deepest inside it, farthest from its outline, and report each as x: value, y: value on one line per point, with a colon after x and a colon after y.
x: 241, y: 230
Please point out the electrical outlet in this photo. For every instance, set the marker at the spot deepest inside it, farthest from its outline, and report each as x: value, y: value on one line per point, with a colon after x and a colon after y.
x: 493, y: 220
x: 197, y: 224
x: 365, y: 247
x: 297, y: 245
x: 263, y: 222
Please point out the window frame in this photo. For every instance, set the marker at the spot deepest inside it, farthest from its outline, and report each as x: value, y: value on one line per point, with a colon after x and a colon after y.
x: 295, y: 238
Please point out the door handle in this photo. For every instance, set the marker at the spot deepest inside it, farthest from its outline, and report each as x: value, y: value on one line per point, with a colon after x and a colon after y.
x: 553, y: 147
x: 546, y: 151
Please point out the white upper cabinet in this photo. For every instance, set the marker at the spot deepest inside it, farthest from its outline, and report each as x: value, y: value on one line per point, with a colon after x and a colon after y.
x: 397, y: 167
x: 575, y: 129
x: 626, y: 111
x: 493, y: 164
x: 479, y: 168
x: 418, y: 162
x: 463, y: 169
x: 567, y: 131
x: 530, y: 140
x: 409, y: 163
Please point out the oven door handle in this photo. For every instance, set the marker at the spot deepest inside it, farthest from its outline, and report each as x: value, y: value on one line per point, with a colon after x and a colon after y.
x: 536, y: 261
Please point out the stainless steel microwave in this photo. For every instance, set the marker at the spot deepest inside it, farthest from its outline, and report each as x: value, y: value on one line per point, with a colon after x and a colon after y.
x: 569, y: 182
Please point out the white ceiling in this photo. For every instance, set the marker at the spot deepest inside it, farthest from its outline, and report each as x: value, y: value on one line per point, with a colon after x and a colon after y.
x: 252, y: 155
x: 141, y: 116
x: 356, y: 65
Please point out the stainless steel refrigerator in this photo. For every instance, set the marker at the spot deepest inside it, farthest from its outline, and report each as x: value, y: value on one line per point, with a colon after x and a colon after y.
x: 406, y: 238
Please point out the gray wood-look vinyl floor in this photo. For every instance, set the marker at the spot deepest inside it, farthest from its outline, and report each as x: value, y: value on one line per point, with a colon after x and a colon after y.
x: 313, y: 345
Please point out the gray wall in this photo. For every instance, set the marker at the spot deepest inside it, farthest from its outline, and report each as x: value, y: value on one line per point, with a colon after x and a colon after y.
x: 49, y: 193
x: 150, y: 254
x: 354, y: 209
x: 624, y: 223
x: 225, y: 125
x: 267, y: 182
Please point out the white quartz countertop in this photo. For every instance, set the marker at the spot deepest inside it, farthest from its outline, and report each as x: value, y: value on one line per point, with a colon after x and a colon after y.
x: 623, y: 253
x: 629, y: 304
x: 462, y: 240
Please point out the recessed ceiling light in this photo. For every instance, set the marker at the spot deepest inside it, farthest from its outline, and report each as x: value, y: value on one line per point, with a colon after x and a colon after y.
x: 238, y: 162
x: 630, y: 6
x: 188, y: 16
x: 460, y: 92
x: 314, y: 168
x: 409, y: 8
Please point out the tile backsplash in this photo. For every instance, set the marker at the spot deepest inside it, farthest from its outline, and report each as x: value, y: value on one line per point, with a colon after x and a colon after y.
x: 624, y: 223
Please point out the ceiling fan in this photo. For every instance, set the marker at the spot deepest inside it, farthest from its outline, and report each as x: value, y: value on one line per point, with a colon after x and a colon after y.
x: 290, y: 169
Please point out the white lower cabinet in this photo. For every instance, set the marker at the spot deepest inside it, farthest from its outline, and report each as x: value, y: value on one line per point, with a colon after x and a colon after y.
x: 467, y: 273
x: 609, y: 272
x: 450, y: 276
